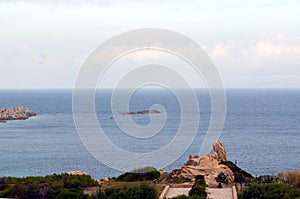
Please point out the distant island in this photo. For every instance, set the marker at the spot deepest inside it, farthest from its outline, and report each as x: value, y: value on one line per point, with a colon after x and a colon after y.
x: 142, y: 112
x: 16, y: 113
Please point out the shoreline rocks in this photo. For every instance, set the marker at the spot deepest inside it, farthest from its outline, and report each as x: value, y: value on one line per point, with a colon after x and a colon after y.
x: 16, y: 113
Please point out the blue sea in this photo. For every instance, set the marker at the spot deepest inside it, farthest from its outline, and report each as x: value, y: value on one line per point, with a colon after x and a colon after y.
x: 261, y: 131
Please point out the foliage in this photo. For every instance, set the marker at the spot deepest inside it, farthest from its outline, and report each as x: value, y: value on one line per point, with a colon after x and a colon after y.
x: 272, y: 187
x: 52, y: 186
x: 293, y: 178
x: 270, y: 191
x: 199, y: 187
x: 222, y: 178
x: 143, y: 191
x: 3, y: 183
x: 147, y: 173
x: 267, y: 179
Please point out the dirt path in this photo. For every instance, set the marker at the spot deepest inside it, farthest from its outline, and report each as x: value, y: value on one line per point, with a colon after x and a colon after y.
x: 215, y: 193
x: 177, y: 191
x: 212, y: 193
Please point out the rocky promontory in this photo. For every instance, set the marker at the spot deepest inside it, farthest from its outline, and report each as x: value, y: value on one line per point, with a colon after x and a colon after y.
x: 208, y: 165
x: 16, y: 113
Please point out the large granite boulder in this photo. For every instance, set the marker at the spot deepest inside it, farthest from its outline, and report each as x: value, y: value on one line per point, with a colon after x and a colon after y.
x: 207, y: 165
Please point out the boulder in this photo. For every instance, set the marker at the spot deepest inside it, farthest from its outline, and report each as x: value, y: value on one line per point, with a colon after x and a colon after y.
x: 220, y: 151
x: 207, y: 165
x: 77, y: 172
x: 106, y: 179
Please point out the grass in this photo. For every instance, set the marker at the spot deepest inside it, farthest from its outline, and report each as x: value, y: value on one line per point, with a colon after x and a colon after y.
x: 119, y: 184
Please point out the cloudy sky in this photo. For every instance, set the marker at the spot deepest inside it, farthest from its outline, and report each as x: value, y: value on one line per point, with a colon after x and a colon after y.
x: 254, y: 44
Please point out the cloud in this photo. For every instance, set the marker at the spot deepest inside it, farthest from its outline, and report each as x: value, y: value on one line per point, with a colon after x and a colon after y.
x: 276, y: 59
x: 267, y: 49
x: 220, y: 50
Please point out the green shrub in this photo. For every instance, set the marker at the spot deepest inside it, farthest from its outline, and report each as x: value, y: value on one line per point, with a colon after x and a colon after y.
x: 199, y: 187
x: 3, y: 183
x: 270, y: 191
x: 147, y: 173
x: 143, y: 191
x: 52, y: 186
x: 267, y: 179
x: 222, y: 178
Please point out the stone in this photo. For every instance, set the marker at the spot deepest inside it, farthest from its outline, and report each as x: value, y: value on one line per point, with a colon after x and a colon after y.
x: 77, y: 172
x: 219, y: 149
x: 207, y: 165
x: 106, y: 179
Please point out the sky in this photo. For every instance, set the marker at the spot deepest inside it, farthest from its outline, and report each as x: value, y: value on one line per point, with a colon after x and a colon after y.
x: 253, y: 44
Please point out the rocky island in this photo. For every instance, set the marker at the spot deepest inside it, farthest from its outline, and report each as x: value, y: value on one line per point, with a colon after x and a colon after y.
x: 142, y: 112
x: 16, y: 113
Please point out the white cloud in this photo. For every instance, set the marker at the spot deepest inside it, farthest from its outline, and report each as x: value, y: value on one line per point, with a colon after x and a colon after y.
x: 267, y: 49
x: 263, y: 63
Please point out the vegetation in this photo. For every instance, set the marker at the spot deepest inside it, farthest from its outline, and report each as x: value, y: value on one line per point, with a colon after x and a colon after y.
x: 147, y: 173
x: 272, y: 187
x: 198, y: 190
x: 71, y: 186
x: 267, y: 179
x: 199, y: 187
x: 52, y: 186
x: 143, y: 191
x: 270, y: 191
x: 222, y: 178
x: 292, y: 178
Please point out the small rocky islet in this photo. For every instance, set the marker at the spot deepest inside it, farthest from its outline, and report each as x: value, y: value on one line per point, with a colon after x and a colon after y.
x: 142, y: 112
x: 15, y: 113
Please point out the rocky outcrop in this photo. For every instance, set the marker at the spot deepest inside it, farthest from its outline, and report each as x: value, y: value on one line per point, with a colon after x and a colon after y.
x: 17, y: 113
x: 142, y: 112
x: 207, y: 165
x: 77, y: 172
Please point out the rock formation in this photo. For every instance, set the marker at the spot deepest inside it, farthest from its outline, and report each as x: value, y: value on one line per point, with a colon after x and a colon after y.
x: 207, y: 165
x: 77, y: 172
x: 17, y: 113
x: 142, y: 112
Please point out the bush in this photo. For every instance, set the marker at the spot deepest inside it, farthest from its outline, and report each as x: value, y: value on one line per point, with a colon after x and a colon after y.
x: 147, y: 173
x: 199, y: 187
x: 3, y: 183
x: 293, y: 178
x: 143, y: 191
x: 267, y: 179
x: 52, y: 186
x: 270, y: 191
x: 222, y: 178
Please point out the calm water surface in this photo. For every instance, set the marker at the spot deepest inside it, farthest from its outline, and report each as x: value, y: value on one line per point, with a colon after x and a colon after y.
x: 261, y: 132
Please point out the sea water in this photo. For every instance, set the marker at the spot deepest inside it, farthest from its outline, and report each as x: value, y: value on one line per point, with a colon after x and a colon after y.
x: 261, y: 131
